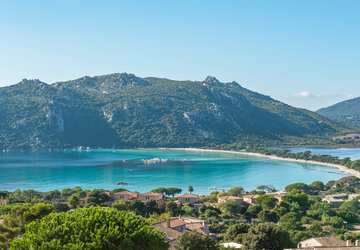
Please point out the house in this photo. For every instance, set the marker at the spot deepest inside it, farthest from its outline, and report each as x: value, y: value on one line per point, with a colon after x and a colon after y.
x: 171, y: 235
x: 175, y: 226
x: 198, y: 205
x: 188, y: 198
x: 327, y: 243
x: 151, y: 196
x: 198, y: 225
x: 125, y: 196
x: 223, y: 199
x: 211, y: 204
x: 175, y: 223
x: 250, y: 199
x: 278, y: 195
x: 338, y: 199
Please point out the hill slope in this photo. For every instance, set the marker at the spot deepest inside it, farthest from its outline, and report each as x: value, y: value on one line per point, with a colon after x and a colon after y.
x: 347, y: 112
x: 122, y: 110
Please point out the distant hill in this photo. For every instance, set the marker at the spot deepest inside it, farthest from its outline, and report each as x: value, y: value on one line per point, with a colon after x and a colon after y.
x: 347, y: 112
x: 122, y: 110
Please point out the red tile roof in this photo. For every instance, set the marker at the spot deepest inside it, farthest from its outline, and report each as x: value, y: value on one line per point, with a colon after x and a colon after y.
x: 188, y: 196
x: 330, y: 241
x: 175, y: 222
x: 171, y: 234
x: 230, y: 197
x: 126, y: 193
x: 152, y: 194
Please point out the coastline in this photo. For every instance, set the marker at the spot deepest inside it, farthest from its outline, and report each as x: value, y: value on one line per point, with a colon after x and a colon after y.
x: 340, y: 167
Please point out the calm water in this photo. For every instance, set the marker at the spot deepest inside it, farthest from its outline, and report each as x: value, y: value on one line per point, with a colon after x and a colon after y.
x: 46, y: 171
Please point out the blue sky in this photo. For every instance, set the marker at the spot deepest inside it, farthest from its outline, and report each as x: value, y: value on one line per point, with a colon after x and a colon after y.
x: 303, y: 52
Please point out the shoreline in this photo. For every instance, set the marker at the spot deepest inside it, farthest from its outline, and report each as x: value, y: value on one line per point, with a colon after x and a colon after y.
x: 340, y: 167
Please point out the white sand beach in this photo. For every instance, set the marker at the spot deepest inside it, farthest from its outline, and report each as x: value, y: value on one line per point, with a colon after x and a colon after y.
x: 340, y: 167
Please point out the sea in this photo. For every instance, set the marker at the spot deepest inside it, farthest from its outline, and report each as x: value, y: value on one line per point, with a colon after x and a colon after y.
x: 143, y: 170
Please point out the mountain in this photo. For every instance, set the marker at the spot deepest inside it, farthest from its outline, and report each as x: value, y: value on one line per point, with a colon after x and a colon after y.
x: 123, y: 110
x: 347, y: 112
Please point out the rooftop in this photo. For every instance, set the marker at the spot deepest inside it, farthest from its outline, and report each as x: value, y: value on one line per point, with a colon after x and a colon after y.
x: 171, y: 234
x: 174, y: 222
x: 152, y: 194
x: 229, y: 197
x: 188, y: 196
x: 125, y: 193
x: 251, y: 196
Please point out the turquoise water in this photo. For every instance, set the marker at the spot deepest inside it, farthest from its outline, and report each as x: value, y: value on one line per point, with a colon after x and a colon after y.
x: 46, y: 171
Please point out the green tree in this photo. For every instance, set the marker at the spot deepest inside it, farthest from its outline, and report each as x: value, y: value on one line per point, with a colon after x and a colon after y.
x: 153, y: 218
x: 317, y: 185
x: 297, y: 186
x: 189, y: 210
x: 120, y: 205
x: 236, y: 191
x: 160, y: 190
x: 236, y: 233
x: 317, y: 209
x: 266, y: 201
x: 290, y: 221
x: 268, y: 216
x: 172, y: 208
x: 173, y: 191
x: 91, y: 228
x: 253, y: 210
x: 267, y: 236
x: 116, y: 190
x: 191, y: 189
x: 230, y: 208
x: 136, y: 206
x: 351, y: 206
x: 210, y: 213
x: 20, y: 215
x: 261, y: 187
x: 97, y: 197
x: 74, y: 200
x: 299, y: 198
x: 61, y: 207
x: 334, y: 221
x: 194, y: 241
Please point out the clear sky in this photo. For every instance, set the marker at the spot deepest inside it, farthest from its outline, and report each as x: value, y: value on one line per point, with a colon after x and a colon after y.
x: 303, y: 52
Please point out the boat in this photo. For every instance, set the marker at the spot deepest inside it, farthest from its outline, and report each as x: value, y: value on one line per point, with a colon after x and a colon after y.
x: 121, y: 183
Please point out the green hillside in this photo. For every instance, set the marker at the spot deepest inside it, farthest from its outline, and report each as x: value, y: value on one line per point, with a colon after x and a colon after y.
x: 122, y: 110
x: 347, y: 112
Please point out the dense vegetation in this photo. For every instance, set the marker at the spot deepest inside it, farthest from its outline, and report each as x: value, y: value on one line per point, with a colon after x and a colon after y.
x: 42, y: 221
x: 286, y: 153
x: 122, y: 110
x: 91, y: 228
x: 347, y: 112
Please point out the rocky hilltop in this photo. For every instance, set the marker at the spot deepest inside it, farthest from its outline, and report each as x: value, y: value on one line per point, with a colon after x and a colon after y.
x: 123, y: 110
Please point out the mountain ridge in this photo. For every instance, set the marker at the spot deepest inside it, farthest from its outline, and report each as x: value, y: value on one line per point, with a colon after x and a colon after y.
x: 347, y: 111
x: 123, y: 110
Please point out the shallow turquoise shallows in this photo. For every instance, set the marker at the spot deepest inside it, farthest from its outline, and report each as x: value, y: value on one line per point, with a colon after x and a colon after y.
x: 44, y: 171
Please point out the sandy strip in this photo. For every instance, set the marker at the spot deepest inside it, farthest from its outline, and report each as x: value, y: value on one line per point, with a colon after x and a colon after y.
x: 340, y: 167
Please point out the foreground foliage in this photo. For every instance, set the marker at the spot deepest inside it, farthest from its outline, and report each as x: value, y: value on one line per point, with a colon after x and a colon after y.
x: 91, y: 228
x: 16, y: 219
x: 194, y: 241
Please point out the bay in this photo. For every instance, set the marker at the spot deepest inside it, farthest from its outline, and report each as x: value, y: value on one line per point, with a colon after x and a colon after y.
x: 45, y: 171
